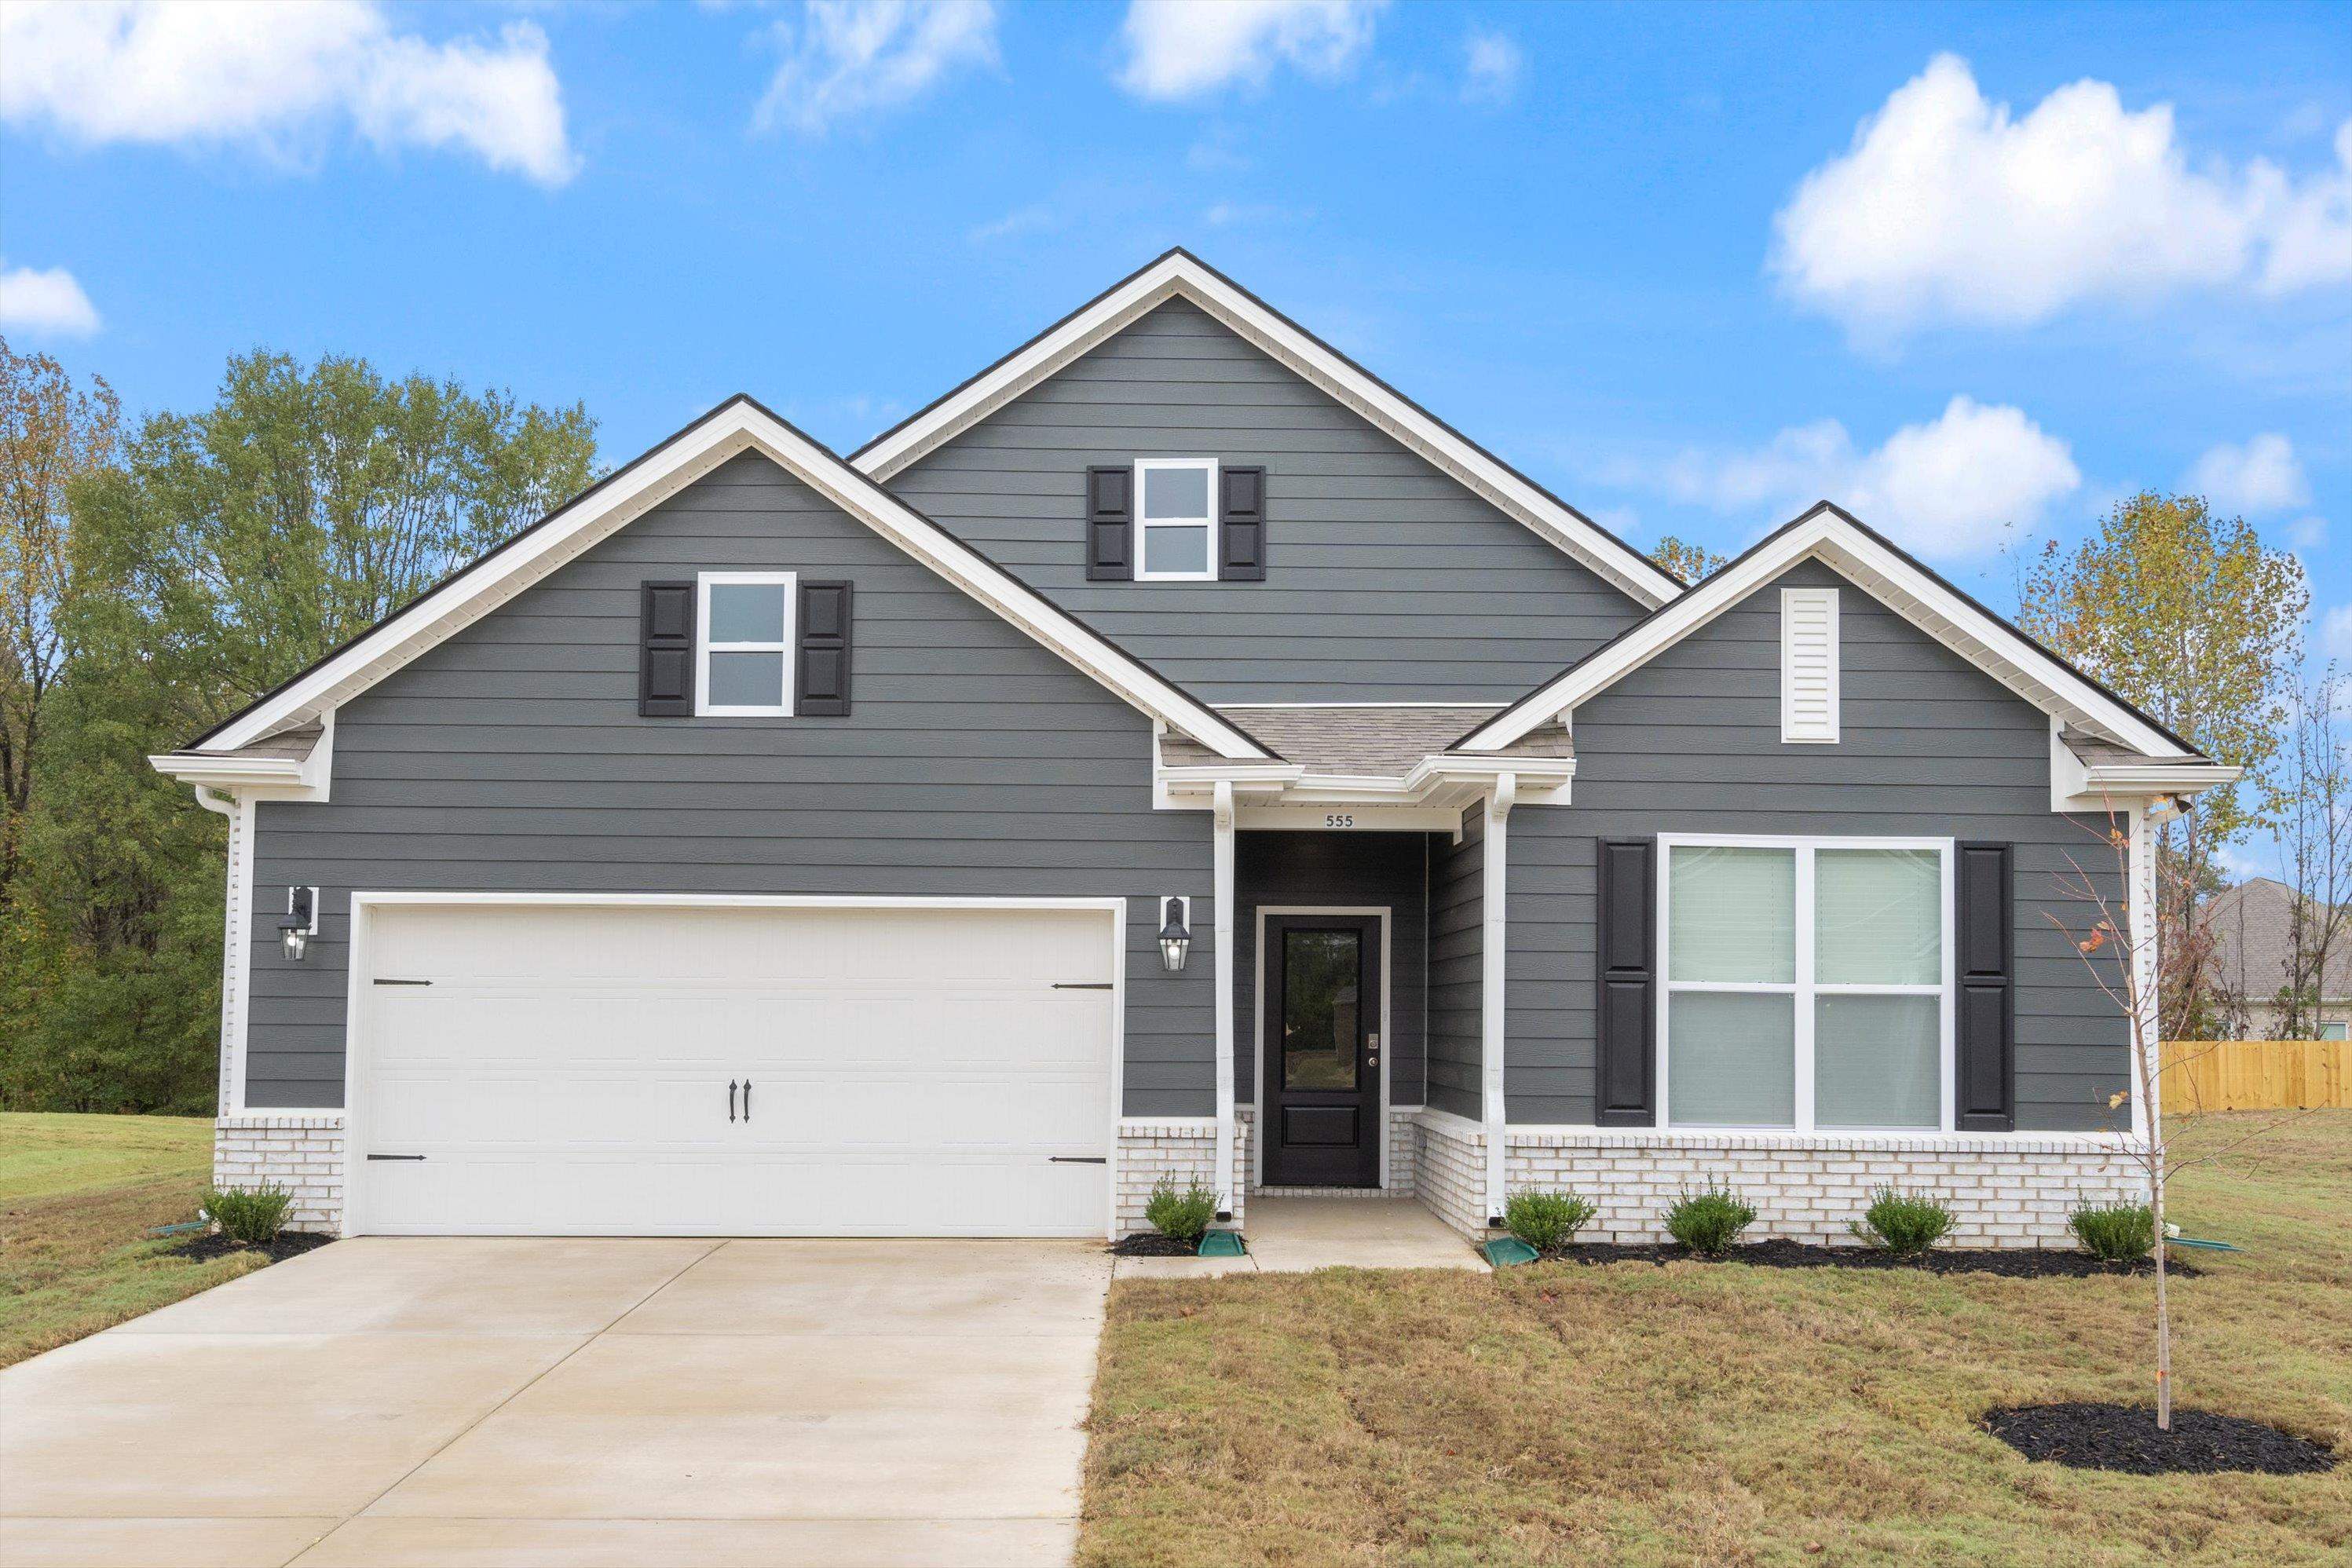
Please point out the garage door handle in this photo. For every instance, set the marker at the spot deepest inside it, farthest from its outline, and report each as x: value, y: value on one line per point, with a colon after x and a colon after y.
x: 747, y: 1099
x: 731, y: 1099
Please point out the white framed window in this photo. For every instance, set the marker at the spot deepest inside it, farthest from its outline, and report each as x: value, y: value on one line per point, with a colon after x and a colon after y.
x: 1807, y: 983
x: 1176, y: 519
x: 2336, y: 1031
x: 743, y: 644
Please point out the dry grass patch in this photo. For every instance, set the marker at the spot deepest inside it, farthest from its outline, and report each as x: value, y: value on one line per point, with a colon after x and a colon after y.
x: 1719, y: 1414
x: 77, y: 1195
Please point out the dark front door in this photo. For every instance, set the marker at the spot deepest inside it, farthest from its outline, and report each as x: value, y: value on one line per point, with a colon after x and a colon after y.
x: 1322, y: 1094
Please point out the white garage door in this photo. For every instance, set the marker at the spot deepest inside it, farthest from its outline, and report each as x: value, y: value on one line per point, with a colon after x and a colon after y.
x: 575, y: 1069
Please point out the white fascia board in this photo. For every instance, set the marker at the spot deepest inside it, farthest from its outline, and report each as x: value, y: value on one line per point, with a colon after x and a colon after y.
x: 1985, y: 641
x: 1177, y: 274
x: 738, y: 427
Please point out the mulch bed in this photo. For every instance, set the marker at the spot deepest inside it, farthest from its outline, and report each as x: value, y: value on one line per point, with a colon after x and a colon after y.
x: 287, y: 1244
x: 1152, y: 1244
x: 2096, y: 1436
x: 2015, y: 1263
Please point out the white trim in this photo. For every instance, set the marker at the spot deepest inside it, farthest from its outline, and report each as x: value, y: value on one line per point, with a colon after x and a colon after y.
x: 1386, y: 915
x: 1491, y: 707
x: 1494, y: 1037
x: 704, y: 647
x: 236, y: 946
x: 1179, y: 275
x: 1205, y: 523
x: 357, y: 989
x: 1221, y: 829
x: 1801, y: 664
x: 2145, y: 930
x: 729, y: 430
x: 1801, y: 989
x: 1986, y: 640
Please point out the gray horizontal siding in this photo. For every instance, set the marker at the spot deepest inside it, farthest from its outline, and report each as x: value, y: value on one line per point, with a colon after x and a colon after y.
x: 512, y: 758
x: 1386, y: 581
x: 1458, y: 945
x: 1929, y: 745
x: 1351, y: 870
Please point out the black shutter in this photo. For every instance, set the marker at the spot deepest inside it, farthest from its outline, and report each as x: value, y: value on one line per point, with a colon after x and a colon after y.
x: 1242, y: 526
x: 1109, y: 512
x: 1984, y: 1097
x: 822, y: 688
x: 1626, y: 1093
x: 665, y: 651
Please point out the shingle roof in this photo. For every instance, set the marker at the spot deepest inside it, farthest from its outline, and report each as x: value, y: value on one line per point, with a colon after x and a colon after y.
x: 1369, y: 741
x: 297, y: 743
x: 2253, y: 933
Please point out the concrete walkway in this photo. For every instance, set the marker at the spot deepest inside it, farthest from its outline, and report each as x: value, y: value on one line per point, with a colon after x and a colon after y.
x: 1296, y: 1235
x: 486, y: 1403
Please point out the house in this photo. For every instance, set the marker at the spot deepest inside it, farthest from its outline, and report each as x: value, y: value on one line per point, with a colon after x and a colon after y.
x: 2253, y: 929
x: 1173, y: 752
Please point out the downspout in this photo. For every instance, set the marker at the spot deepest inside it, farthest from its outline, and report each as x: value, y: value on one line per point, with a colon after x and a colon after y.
x: 1493, y: 942
x: 236, y: 902
x: 1224, y: 959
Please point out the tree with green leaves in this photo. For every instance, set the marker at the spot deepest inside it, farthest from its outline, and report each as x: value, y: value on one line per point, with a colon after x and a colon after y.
x: 1686, y: 560
x: 2193, y: 619
x: 229, y: 549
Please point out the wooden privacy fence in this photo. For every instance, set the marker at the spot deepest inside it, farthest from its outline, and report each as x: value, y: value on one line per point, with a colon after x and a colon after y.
x: 2253, y: 1075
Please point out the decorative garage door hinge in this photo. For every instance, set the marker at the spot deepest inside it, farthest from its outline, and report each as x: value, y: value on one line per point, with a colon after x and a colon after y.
x: 1081, y: 984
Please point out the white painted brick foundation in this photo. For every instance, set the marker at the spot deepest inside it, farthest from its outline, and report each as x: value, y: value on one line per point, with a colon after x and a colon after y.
x: 302, y: 1153
x: 2013, y: 1190
x: 1186, y: 1151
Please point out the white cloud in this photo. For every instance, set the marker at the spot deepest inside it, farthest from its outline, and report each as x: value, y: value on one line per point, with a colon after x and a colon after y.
x: 2335, y: 632
x: 2261, y: 476
x: 1946, y: 207
x: 1030, y: 219
x: 1491, y: 68
x: 1943, y: 488
x: 48, y: 301
x: 1184, y: 48
x: 2308, y: 533
x: 854, y: 58
x: 271, y: 77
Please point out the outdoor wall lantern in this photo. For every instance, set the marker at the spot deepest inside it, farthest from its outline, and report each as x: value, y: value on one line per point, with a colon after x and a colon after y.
x: 1175, y: 937
x: 300, y: 921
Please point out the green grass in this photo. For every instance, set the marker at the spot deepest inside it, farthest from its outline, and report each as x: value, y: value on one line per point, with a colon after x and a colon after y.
x: 1722, y: 1414
x: 77, y: 1195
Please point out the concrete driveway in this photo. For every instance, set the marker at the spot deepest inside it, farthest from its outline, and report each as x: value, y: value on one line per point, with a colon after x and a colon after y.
x: 456, y: 1403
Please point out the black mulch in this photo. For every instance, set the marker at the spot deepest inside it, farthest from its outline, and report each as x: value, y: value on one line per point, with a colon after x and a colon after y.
x: 1153, y: 1245
x: 2092, y: 1437
x: 288, y: 1244
x: 2016, y: 1262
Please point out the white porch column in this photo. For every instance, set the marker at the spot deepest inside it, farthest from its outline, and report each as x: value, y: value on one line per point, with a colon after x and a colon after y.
x: 1496, y: 864
x: 236, y: 950
x: 1221, y: 988
x: 2140, y: 916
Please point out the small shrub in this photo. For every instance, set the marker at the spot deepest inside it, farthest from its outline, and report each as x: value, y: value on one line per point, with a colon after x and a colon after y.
x: 1184, y: 1214
x: 2119, y: 1232
x: 254, y: 1217
x: 1545, y: 1219
x: 1709, y: 1220
x: 1904, y: 1223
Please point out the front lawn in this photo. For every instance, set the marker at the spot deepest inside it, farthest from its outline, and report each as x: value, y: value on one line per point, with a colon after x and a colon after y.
x: 1631, y: 1414
x: 77, y: 1195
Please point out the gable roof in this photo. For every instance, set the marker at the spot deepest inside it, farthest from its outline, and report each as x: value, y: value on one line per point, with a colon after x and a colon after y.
x: 1837, y: 537
x: 1179, y: 273
x: 2252, y: 927
x: 736, y: 426
x: 1363, y: 740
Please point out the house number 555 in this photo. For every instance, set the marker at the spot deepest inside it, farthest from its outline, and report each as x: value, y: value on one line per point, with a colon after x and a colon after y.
x: 1339, y: 820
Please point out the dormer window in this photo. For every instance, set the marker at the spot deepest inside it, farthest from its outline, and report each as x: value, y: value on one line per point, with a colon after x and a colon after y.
x: 1176, y: 519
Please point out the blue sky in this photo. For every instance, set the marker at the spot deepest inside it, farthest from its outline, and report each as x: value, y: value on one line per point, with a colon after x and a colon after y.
x: 1973, y: 270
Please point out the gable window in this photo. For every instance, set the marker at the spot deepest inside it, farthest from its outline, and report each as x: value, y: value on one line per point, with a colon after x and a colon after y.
x: 1175, y: 519
x: 743, y: 645
x: 1808, y: 983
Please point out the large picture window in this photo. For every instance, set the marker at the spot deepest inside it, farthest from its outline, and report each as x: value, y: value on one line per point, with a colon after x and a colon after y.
x: 1807, y: 983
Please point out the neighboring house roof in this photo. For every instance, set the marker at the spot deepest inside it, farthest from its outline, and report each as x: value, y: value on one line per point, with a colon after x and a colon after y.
x: 1362, y: 741
x: 736, y: 426
x: 1835, y: 537
x: 2252, y: 927
x: 1179, y: 273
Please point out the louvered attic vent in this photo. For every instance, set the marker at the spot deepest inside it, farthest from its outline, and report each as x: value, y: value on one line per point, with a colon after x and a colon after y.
x: 1809, y: 665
